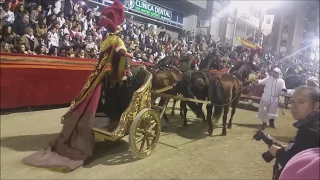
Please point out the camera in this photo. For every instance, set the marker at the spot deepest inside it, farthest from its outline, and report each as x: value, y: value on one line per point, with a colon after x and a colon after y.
x: 260, y: 135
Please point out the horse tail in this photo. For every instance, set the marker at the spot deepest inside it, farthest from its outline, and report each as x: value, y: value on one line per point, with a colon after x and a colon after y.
x: 219, y: 101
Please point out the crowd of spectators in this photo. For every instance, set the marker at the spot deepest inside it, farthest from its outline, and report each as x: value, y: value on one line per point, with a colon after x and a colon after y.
x: 32, y: 30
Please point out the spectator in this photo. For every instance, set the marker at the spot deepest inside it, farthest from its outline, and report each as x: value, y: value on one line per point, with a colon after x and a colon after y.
x: 61, y: 19
x: 53, y: 51
x: 29, y: 40
x: 65, y: 42
x: 35, y: 15
x: 40, y: 50
x: 90, y: 44
x: 45, y: 40
x: 77, y: 41
x: 93, y: 54
x: 53, y: 32
x: 19, y: 26
x: 81, y: 54
x: 41, y: 27
x: 7, y: 16
x: 8, y: 35
x: 5, y: 47
x: 22, y: 49
x: 19, y: 11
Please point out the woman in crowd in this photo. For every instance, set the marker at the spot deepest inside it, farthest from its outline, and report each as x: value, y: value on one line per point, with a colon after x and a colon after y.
x: 6, y: 13
x: 8, y: 35
x: 19, y: 11
x: 304, y: 109
x: 81, y: 53
x: 35, y: 15
x: 22, y: 49
x: 45, y: 40
x: 53, y: 51
x: 40, y: 50
x: 5, y: 47
x: 41, y: 27
x: 90, y: 43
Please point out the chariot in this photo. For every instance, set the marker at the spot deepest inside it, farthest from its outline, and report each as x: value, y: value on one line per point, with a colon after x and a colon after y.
x: 141, y: 120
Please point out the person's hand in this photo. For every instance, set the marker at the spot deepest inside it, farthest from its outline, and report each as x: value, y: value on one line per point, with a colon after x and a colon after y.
x: 273, y: 150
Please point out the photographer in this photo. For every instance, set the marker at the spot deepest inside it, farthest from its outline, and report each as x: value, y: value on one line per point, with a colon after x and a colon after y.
x: 305, y: 109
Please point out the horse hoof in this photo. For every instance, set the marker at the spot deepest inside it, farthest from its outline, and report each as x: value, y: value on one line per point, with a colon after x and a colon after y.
x: 229, y: 126
x: 224, y: 134
x: 172, y: 114
x: 185, y: 124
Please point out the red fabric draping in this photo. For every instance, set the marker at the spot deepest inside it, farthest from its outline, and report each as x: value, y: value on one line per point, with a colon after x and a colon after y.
x: 24, y: 82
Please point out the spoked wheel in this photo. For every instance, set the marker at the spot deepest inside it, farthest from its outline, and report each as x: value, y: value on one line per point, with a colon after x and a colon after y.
x: 144, y: 133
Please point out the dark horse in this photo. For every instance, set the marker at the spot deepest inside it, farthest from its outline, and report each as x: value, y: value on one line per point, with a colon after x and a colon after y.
x: 223, y: 91
x: 194, y: 84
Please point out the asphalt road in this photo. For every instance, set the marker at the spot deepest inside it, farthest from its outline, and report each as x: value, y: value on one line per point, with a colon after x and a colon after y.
x: 182, y: 153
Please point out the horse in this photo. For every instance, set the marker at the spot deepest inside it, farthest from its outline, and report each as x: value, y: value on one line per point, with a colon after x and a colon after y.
x: 223, y: 91
x: 194, y: 84
x: 164, y: 78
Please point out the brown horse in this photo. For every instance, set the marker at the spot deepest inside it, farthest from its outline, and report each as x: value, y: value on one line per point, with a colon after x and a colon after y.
x: 223, y: 91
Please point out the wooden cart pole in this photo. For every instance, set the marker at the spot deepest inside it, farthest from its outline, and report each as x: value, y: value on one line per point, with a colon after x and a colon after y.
x: 180, y: 98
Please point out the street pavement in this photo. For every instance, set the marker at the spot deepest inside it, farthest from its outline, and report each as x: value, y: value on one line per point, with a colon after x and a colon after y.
x: 182, y: 152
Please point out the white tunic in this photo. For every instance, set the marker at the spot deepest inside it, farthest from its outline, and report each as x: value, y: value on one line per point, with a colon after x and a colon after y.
x: 268, y: 107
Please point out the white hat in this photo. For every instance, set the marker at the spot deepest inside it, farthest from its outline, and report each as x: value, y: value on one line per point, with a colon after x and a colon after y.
x: 277, y: 70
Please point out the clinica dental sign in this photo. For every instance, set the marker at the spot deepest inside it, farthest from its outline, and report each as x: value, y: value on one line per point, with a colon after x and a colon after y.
x: 149, y: 9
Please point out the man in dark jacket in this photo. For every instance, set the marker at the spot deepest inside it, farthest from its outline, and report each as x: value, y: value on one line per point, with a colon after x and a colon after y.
x: 19, y: 26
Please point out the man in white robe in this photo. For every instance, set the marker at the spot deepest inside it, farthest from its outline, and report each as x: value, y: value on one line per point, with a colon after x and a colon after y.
x: 268, y: 107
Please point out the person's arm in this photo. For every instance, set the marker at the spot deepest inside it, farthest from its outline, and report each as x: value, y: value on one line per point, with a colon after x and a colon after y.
x: 305, y: 139
x: 262, y: 81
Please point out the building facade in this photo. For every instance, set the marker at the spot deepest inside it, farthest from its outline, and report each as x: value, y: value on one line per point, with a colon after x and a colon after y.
x: 296, y: 25
x: 224, y: 21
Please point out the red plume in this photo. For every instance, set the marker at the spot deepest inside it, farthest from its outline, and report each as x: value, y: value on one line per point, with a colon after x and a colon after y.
x: 113, y: 16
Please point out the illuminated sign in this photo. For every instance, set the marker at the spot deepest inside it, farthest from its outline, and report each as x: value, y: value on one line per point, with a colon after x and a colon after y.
x: 149, y: 9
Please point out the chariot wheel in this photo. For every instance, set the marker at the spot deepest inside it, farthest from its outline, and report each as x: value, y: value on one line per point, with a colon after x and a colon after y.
x: 144, y: 133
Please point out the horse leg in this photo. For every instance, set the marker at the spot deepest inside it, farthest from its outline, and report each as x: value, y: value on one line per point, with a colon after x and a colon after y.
x: 173, y: 106
x: 201, y: 114
x: 225, y: 116
x: 233, y: 111
x: 183, y: 106
x: 161, y: 103
x: 209, y: 120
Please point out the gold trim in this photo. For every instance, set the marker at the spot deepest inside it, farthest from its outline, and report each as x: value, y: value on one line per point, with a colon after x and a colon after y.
x: 141, y: 99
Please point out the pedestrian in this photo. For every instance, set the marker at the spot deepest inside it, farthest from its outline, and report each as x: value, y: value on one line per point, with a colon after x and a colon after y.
x: 268, y: 107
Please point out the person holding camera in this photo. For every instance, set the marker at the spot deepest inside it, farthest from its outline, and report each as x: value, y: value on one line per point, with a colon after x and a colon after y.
x: 304, y: 109
x: 268, y: 106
